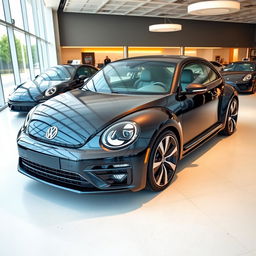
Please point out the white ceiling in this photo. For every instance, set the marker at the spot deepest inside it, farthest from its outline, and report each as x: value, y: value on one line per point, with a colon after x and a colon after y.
x: 158, y: 8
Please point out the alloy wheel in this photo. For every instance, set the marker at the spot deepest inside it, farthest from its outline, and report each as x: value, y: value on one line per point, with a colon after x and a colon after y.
x: 232, y: 118
x: 165, y: 160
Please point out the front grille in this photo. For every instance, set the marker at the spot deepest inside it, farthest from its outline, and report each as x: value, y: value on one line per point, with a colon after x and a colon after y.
x: 59, y: 177
x: 243, y: 86
x: 20, y: 108
x: 112, y: 176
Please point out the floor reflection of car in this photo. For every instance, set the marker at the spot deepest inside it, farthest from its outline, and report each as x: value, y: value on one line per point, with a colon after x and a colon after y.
x: 217, y: 65
x: 54, y: 81
x: 128, y: 127
x: 241, y: 75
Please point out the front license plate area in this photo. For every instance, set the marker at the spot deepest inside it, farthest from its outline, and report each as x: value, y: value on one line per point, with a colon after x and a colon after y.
x: 41, y: 159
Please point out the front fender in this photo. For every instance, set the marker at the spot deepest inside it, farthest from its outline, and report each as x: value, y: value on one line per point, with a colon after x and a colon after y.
x: 151, y: 122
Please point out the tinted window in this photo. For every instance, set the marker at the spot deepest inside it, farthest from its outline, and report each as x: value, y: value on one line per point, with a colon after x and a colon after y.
x: 93, y: 71
x: 58, y: 73
x: 133, y: 76
x: 240, y: 67
x: 197, y: 73
x: 83, y: 71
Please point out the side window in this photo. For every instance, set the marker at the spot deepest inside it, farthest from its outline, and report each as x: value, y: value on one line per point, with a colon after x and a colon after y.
x: 197, y: 73
x: 85, y: 71
x: 93, y: 71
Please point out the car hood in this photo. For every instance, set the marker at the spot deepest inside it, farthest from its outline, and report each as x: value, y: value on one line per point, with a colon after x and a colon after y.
x: 234, y: 76
x: 32, y: 91
x: 79, y: 115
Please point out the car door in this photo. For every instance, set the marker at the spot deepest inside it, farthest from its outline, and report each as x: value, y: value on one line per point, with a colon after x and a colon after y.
x: 199, y: 111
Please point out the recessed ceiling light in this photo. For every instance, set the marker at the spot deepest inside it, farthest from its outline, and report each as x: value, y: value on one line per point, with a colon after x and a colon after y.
x: 166, y: 27
x: 213, y: 7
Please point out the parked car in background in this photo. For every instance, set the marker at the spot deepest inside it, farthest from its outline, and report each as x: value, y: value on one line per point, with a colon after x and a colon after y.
x: 241, y: 75
x: 55, y: 80
x: 217, y: 65
x: 128, y: 127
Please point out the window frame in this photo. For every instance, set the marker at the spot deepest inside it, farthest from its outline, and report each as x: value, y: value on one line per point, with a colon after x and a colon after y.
x: 209, y: 85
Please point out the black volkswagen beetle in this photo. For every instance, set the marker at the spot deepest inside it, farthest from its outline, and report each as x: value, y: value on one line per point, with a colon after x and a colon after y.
x: 55, y: 80
x: 128, y: 127
x: 241, y: 75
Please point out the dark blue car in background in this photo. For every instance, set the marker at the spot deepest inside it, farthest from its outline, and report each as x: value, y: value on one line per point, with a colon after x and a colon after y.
x: 241, y: 75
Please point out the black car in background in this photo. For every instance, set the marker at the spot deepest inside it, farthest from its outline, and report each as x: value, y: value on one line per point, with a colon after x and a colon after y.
x: 241, y: 75
x: 55, y: 80
x: 128, y: 127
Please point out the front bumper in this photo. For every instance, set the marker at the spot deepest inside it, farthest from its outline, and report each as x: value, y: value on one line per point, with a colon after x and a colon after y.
x: 21, y: 106
x: 109, y: 174
x: 242, y: 86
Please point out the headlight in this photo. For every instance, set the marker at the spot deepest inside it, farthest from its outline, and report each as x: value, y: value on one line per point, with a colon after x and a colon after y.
x: 120, y: 135
x: 247, y: 77
x: 50, y: 91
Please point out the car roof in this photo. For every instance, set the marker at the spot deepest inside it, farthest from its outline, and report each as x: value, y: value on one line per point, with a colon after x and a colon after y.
x: 168, y: 58
x: 79, y: 65
x: 74, y: 66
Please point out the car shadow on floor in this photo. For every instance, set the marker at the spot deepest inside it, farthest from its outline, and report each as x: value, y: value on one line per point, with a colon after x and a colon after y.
x: 187, y: 161
x: 97, y: 205
x: 80, y: 206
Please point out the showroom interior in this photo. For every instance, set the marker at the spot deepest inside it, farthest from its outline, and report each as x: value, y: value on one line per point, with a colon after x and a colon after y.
x: 209, y: 207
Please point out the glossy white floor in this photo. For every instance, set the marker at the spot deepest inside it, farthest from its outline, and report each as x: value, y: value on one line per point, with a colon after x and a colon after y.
x: 209, y: 209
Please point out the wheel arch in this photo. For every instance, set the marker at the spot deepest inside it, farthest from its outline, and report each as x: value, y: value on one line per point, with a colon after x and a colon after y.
x: 173, y: 129
x: 228, y: 95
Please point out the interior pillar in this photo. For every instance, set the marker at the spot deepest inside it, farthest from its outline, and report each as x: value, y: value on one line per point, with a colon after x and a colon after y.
x: 125, y: 51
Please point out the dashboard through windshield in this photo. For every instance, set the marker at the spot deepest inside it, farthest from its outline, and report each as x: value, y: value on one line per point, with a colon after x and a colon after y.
x: 133, y: 77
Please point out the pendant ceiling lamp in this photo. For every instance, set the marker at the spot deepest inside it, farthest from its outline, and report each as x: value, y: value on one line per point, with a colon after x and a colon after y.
x: 216, y: 7
x: 166, y: 27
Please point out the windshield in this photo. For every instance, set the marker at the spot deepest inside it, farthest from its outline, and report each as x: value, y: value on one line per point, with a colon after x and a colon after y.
x: 57, y: 73
x: 239, y: 67
x: 133, y: 77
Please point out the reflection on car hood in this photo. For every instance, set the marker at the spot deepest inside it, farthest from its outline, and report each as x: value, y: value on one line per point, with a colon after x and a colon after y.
x: 31, y: 90
x: 78, y: 115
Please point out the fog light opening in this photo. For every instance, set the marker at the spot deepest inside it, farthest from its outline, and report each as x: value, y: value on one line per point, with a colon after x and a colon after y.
x: 120, y: 165
x: 119, y: 177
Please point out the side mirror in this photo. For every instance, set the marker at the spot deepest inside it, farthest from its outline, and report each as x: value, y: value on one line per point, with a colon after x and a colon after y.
x: 82, y: 77
x: 196, y: 89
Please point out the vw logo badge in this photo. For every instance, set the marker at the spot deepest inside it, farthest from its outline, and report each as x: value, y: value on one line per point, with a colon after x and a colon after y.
x: 51, y: 133
x: 50, y: 91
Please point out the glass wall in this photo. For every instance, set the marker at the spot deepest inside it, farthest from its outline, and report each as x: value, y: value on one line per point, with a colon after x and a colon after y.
x: 22, y: 55
x: 6, y: 67
x: 16, y: 13
x: 1, y: 10
x: 35, y: 56
x: 24, y: 43
x: 30, y: 16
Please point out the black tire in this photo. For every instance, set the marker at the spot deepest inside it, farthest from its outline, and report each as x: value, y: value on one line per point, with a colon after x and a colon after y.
x: 231, y: 121
x: 164, y: 155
